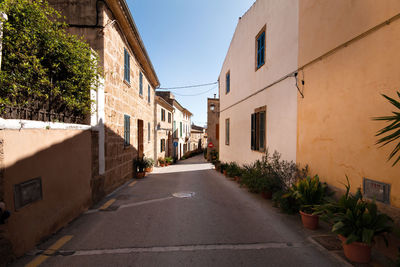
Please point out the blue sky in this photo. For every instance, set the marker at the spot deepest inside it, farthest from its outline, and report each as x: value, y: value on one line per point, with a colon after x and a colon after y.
x: 187, y: 42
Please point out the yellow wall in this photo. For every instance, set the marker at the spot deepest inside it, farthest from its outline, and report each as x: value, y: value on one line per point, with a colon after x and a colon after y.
x: 342, y: 91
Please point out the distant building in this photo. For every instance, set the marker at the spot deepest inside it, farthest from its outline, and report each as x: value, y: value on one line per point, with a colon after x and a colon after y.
x: 180, y: 126
x: 212, y: 132
x: 197, y: 137
x: 163, y: 134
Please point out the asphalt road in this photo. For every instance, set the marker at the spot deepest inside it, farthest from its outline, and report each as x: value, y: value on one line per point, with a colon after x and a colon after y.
x: 220, y: 224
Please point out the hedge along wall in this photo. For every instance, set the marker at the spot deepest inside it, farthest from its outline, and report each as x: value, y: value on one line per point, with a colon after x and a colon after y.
x: 46, y: 73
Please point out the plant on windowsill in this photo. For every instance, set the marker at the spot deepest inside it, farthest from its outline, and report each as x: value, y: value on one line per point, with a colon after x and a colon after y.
x: 357, y: 222
x: 139, y: 166
x: 309, y: 192
x: 161, y: 161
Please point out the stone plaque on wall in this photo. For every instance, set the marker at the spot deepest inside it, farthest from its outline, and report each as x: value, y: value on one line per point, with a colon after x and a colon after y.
x: 27, y: 192
x: 378, y: 190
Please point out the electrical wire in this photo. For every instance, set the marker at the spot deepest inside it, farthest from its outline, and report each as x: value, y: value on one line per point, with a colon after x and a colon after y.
x: 187, y: 86
x: 212, y: 88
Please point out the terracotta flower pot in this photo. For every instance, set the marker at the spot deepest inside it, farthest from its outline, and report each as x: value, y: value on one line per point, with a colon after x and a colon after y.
x: 148, y: 170
x: 225, y: 172
x: 309, y: 221
x: 162, y: 164
x: 237, y: 179
x: 356, y: 251
x: 266, y: 195
x: 140, y: 174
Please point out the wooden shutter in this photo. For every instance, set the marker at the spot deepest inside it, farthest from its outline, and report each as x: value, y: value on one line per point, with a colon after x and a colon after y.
x: 253, y: 131
x: 262, y: 131
x: 217, y: 131
x: 127, y: 130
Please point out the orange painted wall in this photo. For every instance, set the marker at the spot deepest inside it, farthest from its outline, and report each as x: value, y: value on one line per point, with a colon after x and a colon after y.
x: 342, y: 91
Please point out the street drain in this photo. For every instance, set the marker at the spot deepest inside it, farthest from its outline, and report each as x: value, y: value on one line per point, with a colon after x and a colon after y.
x: 183, y: 194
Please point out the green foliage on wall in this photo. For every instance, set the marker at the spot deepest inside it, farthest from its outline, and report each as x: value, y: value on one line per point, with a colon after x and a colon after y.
x: 42, y: 64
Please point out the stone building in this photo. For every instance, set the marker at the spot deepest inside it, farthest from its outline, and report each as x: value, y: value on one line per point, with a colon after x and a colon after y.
x: 197, y: 137
x: 129, y: 82
x: 212, y: 124
x: 164, y: 113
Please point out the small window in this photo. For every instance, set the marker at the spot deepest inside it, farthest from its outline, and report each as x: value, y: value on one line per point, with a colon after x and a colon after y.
x: 212, y: 107
x: 180, y: 128
x: 258, y: 129
x: 127, y: 130
x: 140, y: 83
x: 148, y: 93
x: 227, y: 132
x: 127, y: 68
x: 162, y: 114
x: 148, y: 132
x: 169, y: 117
x: 260, y: 45
x: 228, y: 82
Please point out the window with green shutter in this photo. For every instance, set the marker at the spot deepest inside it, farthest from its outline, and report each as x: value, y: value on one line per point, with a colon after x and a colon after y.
x: 148, y: 93
x: 148, y: 132
x: 227, y: 134
x: 180, y: 129
x: 127, y: 130
x: 127, y: 66
x: 140, y: 83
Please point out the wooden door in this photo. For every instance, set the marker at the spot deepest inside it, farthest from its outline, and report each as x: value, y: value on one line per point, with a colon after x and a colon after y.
x: 140, y: 138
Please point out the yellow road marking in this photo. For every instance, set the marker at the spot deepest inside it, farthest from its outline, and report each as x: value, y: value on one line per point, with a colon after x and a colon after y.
x: 49, y: 251
x: 132, y: 184
x: 107, y: 204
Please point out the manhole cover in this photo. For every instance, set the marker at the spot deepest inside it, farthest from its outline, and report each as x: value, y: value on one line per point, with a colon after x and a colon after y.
x: 183, y: 194
x: 330, y: 242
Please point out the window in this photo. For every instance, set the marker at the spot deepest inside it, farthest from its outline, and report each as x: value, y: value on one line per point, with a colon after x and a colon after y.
x: 180, y: 125
x: 217, y: 131
x: 148, y: 93
x: 174, y: 130
x: 227, y: 132
x: 169, y: 117
x: 140, y: 83
x: 212, y: 107
x: 162, y: 114
x: 127, y: 66
x: 228, y: 82
x: 258, y: 122
x: 260, y: 45
x: 162, y: 145
x: 127, y: 130
x: 148, y: 132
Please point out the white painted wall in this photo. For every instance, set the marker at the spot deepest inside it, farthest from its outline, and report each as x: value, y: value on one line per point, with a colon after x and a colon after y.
x: 281, y: 20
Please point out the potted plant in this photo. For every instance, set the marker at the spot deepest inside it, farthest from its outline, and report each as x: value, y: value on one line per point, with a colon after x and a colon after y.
x: 139, y: 165
x: 357, y: 222
x: 149, y: 164
x: 309, y: 192
x: 234, y: 171
x: 168, y: 161
x: 161, y: 161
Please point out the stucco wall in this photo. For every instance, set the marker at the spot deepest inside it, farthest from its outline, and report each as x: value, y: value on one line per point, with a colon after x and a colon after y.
x: 342, y: 91
x: 280, y: 19
x: 62, y: 158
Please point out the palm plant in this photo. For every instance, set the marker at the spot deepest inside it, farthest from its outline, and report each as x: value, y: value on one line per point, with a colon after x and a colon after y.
x: 392, y: 131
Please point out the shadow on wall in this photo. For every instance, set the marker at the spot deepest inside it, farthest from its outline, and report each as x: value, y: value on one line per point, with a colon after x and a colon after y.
x: 49, y: 177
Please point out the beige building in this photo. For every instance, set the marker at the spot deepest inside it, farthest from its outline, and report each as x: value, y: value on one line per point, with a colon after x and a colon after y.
x: 258, y: 94
x: 212, y: 131
x: 163, y: 134
x: 347, y: 60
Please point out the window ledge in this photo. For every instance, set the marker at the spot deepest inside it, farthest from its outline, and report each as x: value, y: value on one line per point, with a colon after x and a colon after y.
x: 127, y: 83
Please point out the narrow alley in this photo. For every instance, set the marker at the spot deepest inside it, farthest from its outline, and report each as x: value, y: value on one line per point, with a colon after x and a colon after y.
x: 182, y: 215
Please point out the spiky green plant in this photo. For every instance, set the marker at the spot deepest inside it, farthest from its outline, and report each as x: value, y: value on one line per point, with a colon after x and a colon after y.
x: 391, y: 132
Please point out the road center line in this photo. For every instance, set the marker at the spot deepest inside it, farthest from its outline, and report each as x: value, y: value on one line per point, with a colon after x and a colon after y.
x: 254, y: 246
